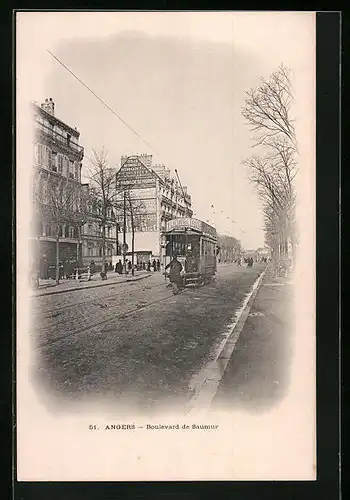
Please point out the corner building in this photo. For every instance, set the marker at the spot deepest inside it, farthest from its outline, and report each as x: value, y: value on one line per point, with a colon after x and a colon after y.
x: 156, y: 196
x: 57, y: 154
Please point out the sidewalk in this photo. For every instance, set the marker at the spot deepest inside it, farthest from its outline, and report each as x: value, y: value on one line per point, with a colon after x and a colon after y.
x: 49, y: 287
x: 257, y: 372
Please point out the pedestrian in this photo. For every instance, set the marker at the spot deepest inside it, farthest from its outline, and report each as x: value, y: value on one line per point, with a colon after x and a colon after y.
x: 119, y: 267
x: 65, y: 269
x: 154, y: 264
x: 92, y: 267
x: 158, y: 265
x: 129, y: 265
x: 149, y: 265
x: 175, y: 273
x: 69, y: 269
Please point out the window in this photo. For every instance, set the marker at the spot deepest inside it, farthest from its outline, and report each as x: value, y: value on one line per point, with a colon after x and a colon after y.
x: 65, y: 166
x: 49, y: 230
x: 46, y: 157
x: 54, y: 161
x: 71, y: 169
x: 77, y: 170
x: 39, y: 154
x: 59, y: 162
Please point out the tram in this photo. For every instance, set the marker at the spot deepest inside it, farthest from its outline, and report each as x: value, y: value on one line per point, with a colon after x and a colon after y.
x: 196, y: 246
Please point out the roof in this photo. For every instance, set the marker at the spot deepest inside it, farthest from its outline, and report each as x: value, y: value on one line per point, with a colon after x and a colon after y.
x: 49, y: 116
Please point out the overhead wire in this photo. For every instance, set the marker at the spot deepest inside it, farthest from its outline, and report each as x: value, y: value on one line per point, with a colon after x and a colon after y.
x: 107, y: 106
x: 102, y: 101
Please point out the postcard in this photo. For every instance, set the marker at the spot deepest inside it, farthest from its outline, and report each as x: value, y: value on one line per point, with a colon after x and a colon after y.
x: 165, y: 246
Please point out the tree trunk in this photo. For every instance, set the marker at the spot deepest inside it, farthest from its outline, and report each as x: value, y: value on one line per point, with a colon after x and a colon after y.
x: 132, y: 247
x: 275, y: 256
x: 78, y: 253
x: 103, y: 247
x: 293, y: 245
x: 58, y: 257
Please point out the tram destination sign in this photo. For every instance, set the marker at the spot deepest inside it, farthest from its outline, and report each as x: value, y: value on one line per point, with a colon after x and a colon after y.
x: 187, y: 222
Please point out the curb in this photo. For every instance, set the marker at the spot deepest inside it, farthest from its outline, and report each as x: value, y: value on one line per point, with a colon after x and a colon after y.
x: 212, y: 374
x: 90, y: 286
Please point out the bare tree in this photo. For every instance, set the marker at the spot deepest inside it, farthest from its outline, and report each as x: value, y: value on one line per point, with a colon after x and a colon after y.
x: 104, y: 190
x: 230, y: 247
x: 276, y: 192
x: 82, y: 214
x: 59, y: 202
x: 267, y: 110
x: 135, y: 209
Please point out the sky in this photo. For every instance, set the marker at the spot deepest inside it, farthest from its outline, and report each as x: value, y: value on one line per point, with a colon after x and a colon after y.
x: 178, y: 79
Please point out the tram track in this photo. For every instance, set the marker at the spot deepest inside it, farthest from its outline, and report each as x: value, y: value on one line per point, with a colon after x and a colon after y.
x: 121, y: 316
x: 50, y: 312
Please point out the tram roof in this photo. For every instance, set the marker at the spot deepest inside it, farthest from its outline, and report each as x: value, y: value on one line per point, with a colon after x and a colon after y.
x: 189, y: 223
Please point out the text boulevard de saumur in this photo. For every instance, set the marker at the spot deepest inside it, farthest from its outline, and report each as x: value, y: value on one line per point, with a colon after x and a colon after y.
x: 123, y: 427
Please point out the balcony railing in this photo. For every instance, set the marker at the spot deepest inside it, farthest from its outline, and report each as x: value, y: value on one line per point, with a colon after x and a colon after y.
x: 59, y: 137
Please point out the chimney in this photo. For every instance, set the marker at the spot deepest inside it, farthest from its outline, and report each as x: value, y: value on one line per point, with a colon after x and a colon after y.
x: 49, y: 106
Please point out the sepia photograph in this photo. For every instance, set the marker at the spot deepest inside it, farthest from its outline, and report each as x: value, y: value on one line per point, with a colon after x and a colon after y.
x: 165, y: 246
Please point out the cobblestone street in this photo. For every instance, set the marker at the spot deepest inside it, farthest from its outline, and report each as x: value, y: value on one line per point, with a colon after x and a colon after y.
x: 135, y: 342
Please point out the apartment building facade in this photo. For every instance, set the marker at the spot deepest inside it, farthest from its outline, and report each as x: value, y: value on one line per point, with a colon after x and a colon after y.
x: 155, y: 196
x: 57, y: 156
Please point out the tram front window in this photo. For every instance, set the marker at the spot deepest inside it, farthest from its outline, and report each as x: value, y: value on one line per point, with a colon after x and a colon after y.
x: 187, y: 247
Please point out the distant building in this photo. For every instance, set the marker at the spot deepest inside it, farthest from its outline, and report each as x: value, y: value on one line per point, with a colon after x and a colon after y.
x: 264, y: 252
x: 156, y: 197
x: 57, y: 154
x: 92, y: 238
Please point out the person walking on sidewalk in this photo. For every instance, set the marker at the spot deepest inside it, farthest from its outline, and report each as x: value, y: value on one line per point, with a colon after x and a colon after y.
x: 154, y: 264
x: 119, y: 267
x: 158, y: 265
x: 92, y: 267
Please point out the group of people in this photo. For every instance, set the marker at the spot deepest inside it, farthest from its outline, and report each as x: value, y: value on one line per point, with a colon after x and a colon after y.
x: 150, y: 266
x: 128, y: 267
x: 154, y: 266
x: 249, y: 261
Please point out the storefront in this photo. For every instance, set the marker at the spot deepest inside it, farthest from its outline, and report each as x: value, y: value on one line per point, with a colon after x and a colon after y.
x: 47, y: 256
